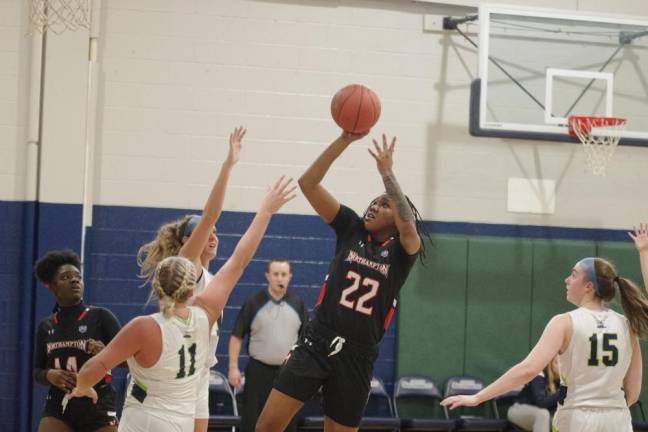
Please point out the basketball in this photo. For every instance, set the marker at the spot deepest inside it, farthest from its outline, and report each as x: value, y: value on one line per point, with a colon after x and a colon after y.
x: 355, y: 108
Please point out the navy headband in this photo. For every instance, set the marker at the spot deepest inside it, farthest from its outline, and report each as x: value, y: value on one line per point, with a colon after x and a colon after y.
x: 590, y: 272
x: 192, y: 221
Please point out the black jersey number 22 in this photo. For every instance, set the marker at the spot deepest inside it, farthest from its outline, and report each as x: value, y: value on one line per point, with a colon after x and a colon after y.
x: 362, y: 303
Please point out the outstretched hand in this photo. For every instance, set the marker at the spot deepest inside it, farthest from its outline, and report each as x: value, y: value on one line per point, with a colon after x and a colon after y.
x: 384, y: 155
x: 235, y: 139
x: 453, y: 402
x: 640, y: 237
x: 278, y: 195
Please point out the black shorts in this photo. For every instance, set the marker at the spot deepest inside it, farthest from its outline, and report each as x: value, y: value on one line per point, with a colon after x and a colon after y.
x: 344, y: 374
x: 81, y: 414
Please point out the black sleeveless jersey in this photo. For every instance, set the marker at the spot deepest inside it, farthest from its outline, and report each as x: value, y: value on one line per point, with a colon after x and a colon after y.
x: 62, y: 338
x: 360, y: 291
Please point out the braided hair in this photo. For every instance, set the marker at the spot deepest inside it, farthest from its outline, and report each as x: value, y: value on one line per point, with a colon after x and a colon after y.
x: 173, y: 282
x: 421, y: 229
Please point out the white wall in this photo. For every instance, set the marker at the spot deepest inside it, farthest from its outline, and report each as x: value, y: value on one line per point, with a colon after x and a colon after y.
x: 176, y: 76
x: 14, y: 62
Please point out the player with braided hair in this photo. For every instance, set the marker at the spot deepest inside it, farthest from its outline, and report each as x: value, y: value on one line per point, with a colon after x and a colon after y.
x: 167, y: 351
x: 194, y: 237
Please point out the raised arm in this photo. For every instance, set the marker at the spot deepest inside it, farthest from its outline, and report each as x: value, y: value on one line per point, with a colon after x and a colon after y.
x: 633, y: 377
x: 193, y: 247
x: 554, y: 338
x: 640, y: 237
x: 215, y: 295
x: 403, y: 215
x: 321, y: 199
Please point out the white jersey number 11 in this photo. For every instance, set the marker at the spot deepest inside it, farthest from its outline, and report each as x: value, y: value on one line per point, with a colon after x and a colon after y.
x: 192, y: 361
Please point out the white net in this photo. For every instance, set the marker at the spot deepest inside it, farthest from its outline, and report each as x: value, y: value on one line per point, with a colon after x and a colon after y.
x: 600, y: 137
x: 59, y: 15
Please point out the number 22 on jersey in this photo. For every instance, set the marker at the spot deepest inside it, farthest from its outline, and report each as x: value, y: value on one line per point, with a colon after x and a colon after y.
x: 362, y: 303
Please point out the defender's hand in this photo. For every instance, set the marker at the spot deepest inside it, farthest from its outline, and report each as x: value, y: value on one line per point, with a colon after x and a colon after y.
x: 640, y: 237
x: 278, y: 195
x: 235, y: 139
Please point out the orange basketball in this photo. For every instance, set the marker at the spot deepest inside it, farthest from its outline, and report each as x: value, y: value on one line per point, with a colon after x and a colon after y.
x: 355, y: 108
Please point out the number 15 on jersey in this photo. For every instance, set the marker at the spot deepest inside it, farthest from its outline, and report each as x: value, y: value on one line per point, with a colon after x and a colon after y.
x: 608, y: 353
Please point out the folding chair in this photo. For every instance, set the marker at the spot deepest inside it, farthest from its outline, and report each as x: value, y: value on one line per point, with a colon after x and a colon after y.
x: 238, y: 394
x: 473, y: 418
x: 379, y: 413
x: 223, y: 412
x: 416, y: 403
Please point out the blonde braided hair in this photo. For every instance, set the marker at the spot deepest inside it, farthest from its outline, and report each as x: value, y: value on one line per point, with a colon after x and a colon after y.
x: 173, y: 282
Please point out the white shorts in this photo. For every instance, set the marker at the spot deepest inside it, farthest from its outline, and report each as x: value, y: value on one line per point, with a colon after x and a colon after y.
x: 592, y: 420
x: 202, y: 400
x: 529, y: 417
x: 138, y: 419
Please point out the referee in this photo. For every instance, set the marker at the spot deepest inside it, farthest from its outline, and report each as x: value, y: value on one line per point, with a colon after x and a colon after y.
x: 272, y: 319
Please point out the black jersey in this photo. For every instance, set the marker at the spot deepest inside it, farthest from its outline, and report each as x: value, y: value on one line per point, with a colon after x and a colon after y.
x: 62, y: 339
x: 359, y: 295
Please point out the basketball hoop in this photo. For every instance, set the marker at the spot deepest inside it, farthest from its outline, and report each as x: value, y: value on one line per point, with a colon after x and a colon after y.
x: 58, y: 15
x: 600, y: 136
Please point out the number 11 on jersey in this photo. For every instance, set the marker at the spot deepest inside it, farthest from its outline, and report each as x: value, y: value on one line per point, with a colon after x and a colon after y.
x: 182, y: 372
